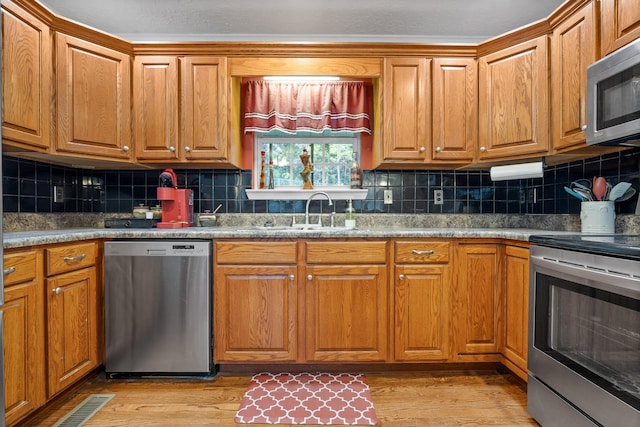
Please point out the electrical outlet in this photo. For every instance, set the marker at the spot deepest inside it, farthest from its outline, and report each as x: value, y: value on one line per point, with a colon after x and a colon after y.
x: 437, y: 197
x: 58, y: 194
x: 388, y: 197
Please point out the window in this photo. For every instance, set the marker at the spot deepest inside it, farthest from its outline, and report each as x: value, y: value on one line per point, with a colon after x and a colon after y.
x: 331, y: 155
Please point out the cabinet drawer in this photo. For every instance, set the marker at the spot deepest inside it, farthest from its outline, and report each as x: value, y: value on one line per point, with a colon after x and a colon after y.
x: 255, y: 252
x: 346, y: 252
x: 422, y: 252
x: 70, y: 257
x: 19, y: 267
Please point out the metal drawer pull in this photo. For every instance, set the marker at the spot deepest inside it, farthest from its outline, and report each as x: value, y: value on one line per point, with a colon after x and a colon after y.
x: 292, y: 277
x: 9, y: 270
x: 310, y: 277
x: 417, y: 252
x: 57, y: 290
x: 401, y: 277
x: 75, y: 258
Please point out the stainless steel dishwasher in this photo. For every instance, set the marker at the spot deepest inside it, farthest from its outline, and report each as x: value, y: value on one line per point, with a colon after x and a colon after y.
x: 158, y: 307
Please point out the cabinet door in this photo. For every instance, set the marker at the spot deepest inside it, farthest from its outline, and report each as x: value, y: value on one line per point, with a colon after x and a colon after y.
x: 421, y: 305
x: 455, y: 109
x: 155, y: 105
x: 24, y: 361
x: 204, y: 108
x: 513, y: 103
x: 517, y: 307
x: 573, y: 48
x: 620, y: 23
x: 406, y: 109
x: 93, y: 99
x: 27, y: 74
x: 255, y: 314
x: 346, y: 313
x: 477, y: 301
x: 71, y: 327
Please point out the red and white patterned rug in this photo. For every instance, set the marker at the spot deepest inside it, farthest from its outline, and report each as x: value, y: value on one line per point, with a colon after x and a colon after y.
x: 307, y: 399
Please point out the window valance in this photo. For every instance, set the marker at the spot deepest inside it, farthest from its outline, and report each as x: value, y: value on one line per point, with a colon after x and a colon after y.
x: 306, y: 106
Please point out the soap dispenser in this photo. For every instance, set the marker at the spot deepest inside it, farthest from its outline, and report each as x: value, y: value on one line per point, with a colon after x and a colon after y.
x: 350, y: 216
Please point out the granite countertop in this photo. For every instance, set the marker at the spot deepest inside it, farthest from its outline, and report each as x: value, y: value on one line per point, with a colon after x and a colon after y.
x: 31, y: 238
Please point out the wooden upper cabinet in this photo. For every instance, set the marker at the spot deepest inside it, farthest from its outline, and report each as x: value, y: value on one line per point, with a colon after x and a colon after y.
x: 27, y: 76
x: 93, y: 98
x: 513, y: 102
x: 155, y: 105
x: 181, y: 122
x: 455, y: 109
x: 573, y: 48
x: 620, y: 23
x: 204, y: 108
x: 406, y: 110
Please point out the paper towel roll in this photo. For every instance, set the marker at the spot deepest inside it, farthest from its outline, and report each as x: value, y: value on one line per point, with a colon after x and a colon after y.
x: 519, y: 171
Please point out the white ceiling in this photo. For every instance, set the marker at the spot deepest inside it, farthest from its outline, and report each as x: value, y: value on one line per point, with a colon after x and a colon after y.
x: 405, y: 21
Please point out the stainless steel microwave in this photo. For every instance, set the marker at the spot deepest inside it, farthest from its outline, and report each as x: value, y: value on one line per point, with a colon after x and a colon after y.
x: 613, y: 98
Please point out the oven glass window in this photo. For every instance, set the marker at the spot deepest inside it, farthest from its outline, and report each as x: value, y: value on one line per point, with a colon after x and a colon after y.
x: 593, y: 332
x: 619, y: 98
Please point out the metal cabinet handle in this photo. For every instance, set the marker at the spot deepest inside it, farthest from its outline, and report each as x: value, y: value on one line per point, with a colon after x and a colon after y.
x: 125, y: 148
x: 417, y: 252
x: 57, y: 290
x: 9, y: 270
x: 292, y: 277
x: 401, y: 277
x: 422, y: 149
x: 583, y: 127
x: 310, y: 277
x: 483, y: 149
x: 187, y: 149
x: 172, y: 148
x: 438, y: 149
x: 75, y: 258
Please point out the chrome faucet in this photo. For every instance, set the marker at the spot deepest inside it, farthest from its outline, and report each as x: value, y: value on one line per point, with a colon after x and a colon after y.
x: 306, y: 210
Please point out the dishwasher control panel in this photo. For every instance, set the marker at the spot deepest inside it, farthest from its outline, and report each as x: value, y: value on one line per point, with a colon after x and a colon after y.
x: 157, y: 248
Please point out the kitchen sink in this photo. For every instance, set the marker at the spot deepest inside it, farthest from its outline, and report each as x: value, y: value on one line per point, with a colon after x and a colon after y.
x: 302, y: 228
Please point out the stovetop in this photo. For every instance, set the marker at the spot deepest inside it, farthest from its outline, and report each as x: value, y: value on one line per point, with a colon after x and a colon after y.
x: 620, y: 245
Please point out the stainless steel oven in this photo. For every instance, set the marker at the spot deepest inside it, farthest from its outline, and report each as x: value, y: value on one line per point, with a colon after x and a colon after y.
x: 584, y: 331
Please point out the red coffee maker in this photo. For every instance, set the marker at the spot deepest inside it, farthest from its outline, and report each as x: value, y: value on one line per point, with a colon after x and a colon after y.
x: 177, y: 204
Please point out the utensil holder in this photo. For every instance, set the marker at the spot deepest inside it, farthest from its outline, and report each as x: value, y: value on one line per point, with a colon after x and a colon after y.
x: 598, y: 217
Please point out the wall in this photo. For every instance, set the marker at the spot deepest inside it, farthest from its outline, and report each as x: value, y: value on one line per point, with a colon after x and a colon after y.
x: 28, y: 187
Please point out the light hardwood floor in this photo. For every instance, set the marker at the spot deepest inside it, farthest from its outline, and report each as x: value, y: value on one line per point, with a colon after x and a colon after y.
x: 401, y: 399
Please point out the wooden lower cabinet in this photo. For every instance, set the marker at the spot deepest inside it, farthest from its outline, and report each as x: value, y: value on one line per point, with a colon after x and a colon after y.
x: 478, y: 294
x: 421, y: 293
x: 255, y: 301
x: 72, y: 314
x: 288, y: 301
x: 255, y: 313
x: 346, y: 308
x: 24, y: 338
x: 516, y: 309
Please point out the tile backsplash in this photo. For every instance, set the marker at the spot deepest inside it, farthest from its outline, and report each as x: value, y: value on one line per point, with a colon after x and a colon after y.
x: 28, y: 186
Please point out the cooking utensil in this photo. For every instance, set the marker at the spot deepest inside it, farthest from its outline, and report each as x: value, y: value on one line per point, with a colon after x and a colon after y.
x: 574, y: 194
x: 585, y: 193
x: 217, y: 208
x: 583, y: 187
x: 599, y: 188
x: 627, y: 195
x: 618, y: 190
